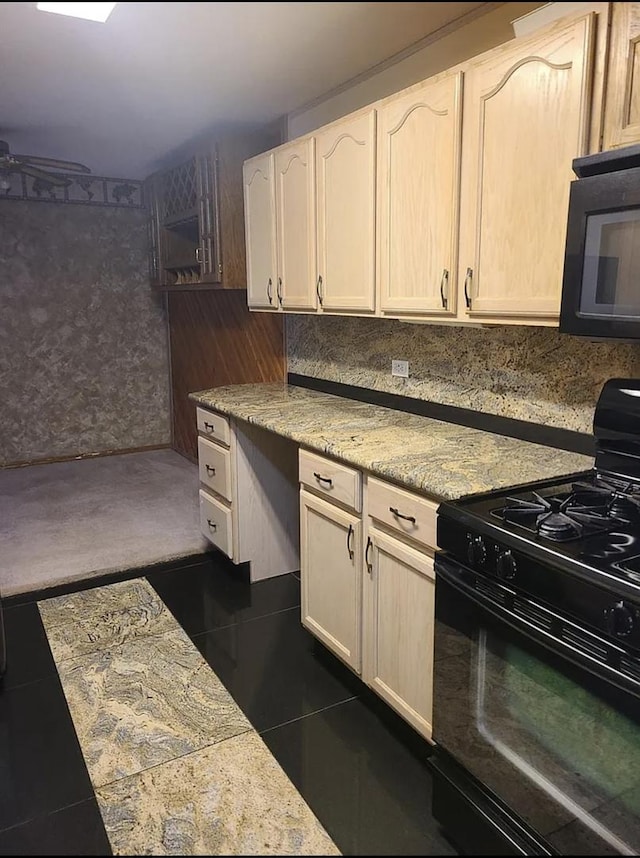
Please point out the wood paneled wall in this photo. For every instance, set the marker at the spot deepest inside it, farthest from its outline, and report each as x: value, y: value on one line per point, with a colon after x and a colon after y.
x: 215, y: 340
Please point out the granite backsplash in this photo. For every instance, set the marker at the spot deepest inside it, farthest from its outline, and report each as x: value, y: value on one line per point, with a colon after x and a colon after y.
x: 527, y: 373
x: 83, y: 340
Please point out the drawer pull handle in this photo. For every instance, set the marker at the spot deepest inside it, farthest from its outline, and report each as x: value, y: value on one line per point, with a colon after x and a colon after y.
x: 322, y: 479
x: 211, y: 471
x: 212, y: 524
x: 209, y: 426
x: 349, y: 548
x: 366, y: 555
x: 397, y: 514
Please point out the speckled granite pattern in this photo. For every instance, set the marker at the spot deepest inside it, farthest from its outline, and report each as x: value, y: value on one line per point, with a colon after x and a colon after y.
x: 144, y: 702
x: 440, y: 459
x: 244, y: 805
x: 528, y: 373
x: 177, y: 768
x: 83, y: 342
x: 81, y: 623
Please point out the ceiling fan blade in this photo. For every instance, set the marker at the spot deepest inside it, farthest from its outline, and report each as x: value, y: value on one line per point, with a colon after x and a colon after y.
x: 50, y: 178
x: 54, y: 163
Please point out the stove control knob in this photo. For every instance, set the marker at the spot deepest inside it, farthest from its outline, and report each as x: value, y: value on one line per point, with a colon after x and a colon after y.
x: 505, y: 565
x: 620, y: 619
x: 476, y: 550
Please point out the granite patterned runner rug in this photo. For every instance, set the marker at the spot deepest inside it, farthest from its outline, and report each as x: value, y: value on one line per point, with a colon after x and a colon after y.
x: 176, y: 767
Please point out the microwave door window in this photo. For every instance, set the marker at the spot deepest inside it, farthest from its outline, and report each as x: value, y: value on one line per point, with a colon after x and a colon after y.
x: 611, y: 272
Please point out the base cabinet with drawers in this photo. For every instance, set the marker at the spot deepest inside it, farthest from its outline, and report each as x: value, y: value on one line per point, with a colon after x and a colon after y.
x: 248, y: 494
x: 368, y: 584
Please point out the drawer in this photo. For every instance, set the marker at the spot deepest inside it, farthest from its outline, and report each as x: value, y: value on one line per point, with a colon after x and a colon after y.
x: 213, y: 425
x: 402, y: 511
x: 216, y: 523
x: 331, y: 479
x: 214, y: 465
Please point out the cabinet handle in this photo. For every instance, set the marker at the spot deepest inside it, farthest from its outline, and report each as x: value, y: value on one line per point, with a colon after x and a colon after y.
x: 211, y: 471
x: 212, y: 524
x: 319, y: 289
x: 366, y: 555
x: 397, y: 514
x: 270, y: 291
x: 198, y: 259
x: 280, y: 290
x: 467, y: 284
x: 322, y: 479
x: 209, y: 426
x: 349, y: 548
x: 444, y: 282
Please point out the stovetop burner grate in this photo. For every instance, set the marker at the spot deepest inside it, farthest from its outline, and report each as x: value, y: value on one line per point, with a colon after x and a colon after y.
x: 573, y: 515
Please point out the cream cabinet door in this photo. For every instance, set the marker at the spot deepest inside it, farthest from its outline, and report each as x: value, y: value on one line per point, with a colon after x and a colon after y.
x: 418, y: 194
x: 331, y: 576
x: 346, y: 184
x: 296, y: 226
x: 526, y: 116
x: 260, y: 232
x: 622, y: 110
x: 398, y: 629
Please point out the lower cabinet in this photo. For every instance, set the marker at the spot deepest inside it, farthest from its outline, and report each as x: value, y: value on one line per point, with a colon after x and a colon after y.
x: 399, y: 607
x: 248, y: 494
x: 331, y: 576
x: 368, y: 584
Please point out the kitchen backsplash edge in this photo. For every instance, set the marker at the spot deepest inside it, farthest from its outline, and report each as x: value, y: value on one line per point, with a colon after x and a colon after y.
x: 531, y: 375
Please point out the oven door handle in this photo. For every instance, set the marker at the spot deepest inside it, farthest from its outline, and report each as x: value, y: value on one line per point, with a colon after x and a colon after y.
x: 455, y: 574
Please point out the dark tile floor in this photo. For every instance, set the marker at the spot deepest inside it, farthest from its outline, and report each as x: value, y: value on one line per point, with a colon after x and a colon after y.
x: 358, y: 766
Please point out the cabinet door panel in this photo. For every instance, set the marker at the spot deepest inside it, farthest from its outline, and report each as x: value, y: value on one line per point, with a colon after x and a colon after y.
x: 346, y: 171
x: 260, y: 231
x: 296, y: 225
x: 526, y: 111
x: 622, y: 112
x: 418, y: 194
x: 399, y: 629
x: 330, y: 574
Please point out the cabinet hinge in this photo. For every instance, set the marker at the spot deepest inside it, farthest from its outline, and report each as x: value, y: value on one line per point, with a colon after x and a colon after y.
x: 220, y: 268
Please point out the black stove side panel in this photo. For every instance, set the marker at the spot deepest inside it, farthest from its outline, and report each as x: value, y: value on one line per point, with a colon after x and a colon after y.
x: 616, y: 427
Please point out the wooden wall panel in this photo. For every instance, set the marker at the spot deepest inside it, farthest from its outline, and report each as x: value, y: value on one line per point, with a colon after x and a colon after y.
x: 215, y: 340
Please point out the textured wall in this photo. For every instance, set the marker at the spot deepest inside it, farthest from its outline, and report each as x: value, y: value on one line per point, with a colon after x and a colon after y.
x: 534, y: 374
x: 83, y: 343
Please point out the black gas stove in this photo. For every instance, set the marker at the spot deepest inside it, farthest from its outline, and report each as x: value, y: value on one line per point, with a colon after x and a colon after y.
x: 537, y: 654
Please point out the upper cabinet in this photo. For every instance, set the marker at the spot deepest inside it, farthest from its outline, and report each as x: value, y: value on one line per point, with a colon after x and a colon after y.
x: 260, y: 230
x: 346, y: 216
x: 197, y: 237
x: 418, y: 193
x: 279, y: 200
x: 526, y: 115
x: 622, y: 115
x: 448, y: 201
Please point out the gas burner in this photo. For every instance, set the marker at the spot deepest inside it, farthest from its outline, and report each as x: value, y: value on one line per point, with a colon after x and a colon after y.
x: 559, y: 519
x: 621, y: 498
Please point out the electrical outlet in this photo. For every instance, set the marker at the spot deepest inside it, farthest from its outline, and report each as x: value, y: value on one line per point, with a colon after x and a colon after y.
x: 400, y: 368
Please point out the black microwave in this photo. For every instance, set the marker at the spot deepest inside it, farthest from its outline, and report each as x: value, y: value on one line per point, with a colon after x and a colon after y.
x: 601, y: 282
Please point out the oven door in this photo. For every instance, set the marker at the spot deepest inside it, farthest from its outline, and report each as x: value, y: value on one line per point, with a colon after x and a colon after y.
x: 600, y: 295
x: 556, y: 742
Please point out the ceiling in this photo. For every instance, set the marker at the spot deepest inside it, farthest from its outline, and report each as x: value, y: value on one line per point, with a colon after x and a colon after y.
x: 121, y: 96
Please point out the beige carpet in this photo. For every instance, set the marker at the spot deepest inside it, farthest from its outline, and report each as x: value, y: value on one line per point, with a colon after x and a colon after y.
x: 70, y: 521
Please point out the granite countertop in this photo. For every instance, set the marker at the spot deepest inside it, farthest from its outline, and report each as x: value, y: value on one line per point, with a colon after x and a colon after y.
x: 441, y: 459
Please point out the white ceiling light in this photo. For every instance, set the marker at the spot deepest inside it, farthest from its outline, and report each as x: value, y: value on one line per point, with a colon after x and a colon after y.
x: 89, y: 11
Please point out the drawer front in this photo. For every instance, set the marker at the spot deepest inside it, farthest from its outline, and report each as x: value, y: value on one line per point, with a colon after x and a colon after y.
x: 213, y: 426
x: 214, y: 465
x: 402, y: 511
x: 332, y: 480
x: 216, y: 523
